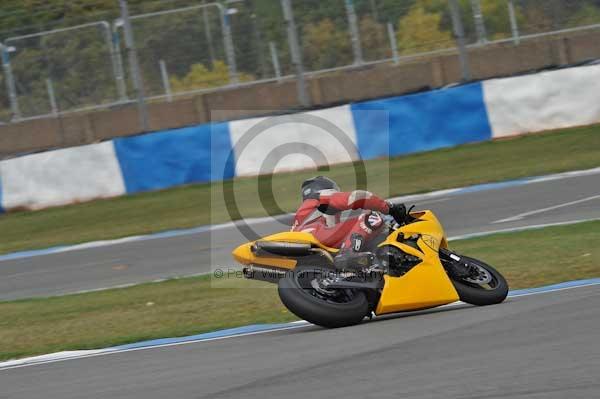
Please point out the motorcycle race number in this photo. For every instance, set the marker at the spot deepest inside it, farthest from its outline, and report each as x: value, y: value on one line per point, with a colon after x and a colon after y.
x: 357, y: 244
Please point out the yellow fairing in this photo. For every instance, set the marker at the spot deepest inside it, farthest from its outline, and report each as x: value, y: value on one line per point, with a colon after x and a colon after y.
x: 299, y: 237
x: 425, y: 285
x: 244, y: 255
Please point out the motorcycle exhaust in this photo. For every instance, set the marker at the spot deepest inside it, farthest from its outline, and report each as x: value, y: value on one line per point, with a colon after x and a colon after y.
x: 263, y: 274
x: 266, y: 248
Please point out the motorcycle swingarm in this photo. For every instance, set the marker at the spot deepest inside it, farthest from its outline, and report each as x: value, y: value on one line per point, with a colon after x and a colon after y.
x: 354, y: 285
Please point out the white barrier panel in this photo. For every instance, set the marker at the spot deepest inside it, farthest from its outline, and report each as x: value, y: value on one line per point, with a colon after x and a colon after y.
x: 293, y: 142
x: 544, y: 101
x: 61, y: 177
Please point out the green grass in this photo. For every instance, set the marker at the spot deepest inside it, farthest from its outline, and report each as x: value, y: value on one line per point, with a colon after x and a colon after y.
x: 203, y: 203
x: 195, y: 305
x: 540, y: 257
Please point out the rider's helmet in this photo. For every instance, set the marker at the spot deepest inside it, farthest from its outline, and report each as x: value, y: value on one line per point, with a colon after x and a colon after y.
x: 315, y: 185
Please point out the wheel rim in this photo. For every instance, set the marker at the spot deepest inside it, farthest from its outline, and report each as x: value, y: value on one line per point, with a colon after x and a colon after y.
x: 481, y: 277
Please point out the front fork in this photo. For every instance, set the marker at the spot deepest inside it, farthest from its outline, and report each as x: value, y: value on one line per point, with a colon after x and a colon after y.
x: 454, y: 264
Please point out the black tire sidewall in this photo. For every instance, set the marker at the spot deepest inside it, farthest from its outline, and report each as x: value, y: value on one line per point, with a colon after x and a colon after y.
x: 479, y: 296
x: 317, y: 311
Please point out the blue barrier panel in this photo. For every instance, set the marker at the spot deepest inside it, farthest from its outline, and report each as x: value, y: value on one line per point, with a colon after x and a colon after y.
x: 421, y: 122
x: 181, y: 156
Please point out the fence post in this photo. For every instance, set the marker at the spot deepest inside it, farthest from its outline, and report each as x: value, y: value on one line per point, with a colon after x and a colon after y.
x: 393, y: 44
x: 52, y: 97
x: 514, y: 26
x: 479, y: 22
x: 459, y: 34
x: 134, y: 66
x: 165, y: 79
x: 374, y: 10
x: 258, y: 38
x: 208, y: 34
x: 296, y: 53
x: 354, y: 32
x: 228, y: 42
x: 275, y: 60
x: 10, y: 83
x: 119, y: 71
x: 114, y: 55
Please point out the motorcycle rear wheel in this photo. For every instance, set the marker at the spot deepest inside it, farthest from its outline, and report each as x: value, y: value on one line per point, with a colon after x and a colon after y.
x: 481, y: 295
x: 341, y: 309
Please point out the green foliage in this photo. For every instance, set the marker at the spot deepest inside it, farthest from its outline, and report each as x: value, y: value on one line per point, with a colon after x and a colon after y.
x: 326, y: 46
x: 374, y: 39
x: 587, y: 15
x: 497, y: 20
x: 77, y: 62
x: 384, y: 10
x: 420, y: 31
x: 200, y: 77
x: 537, y: 18
x: 79, y: 66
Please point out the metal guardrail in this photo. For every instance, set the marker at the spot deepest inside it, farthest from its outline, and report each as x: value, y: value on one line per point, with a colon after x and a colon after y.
x: 404, y: 59
x: 293, y: 69
x: 9, y: 47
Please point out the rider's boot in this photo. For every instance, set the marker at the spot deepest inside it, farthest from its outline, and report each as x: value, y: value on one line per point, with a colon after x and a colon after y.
x: 354, y: 258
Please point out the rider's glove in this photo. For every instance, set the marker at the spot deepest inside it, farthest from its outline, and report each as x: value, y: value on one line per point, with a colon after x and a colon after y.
x: 398, y: 212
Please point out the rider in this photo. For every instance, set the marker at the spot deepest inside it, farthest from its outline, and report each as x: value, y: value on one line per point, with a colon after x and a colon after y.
x: 319, y: 214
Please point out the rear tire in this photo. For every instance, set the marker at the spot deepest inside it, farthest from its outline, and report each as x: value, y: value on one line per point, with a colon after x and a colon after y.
x: 305, y: 303
x: 476, y: 295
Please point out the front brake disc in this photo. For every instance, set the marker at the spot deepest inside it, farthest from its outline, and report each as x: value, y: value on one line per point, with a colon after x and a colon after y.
x: 482, y: 277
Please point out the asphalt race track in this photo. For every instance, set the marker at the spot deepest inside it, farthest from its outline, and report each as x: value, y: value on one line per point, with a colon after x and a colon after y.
x: 569, y: 199
x: 532, y: 347
x: 529, y: 347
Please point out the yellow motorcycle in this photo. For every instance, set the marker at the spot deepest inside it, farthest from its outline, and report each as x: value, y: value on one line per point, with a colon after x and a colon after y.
x: 409, y: 268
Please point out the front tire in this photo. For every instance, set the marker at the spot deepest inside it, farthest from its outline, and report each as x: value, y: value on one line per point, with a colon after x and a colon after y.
x: 298, y: 295
x: 490, y: 294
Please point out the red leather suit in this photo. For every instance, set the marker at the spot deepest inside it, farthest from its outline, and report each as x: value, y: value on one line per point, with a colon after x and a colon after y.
x: 321, y: 217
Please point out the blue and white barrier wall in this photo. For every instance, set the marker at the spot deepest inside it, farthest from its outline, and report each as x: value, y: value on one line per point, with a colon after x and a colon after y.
x: 544, y: 101
x: 365, y: 130
x: 61, y: 177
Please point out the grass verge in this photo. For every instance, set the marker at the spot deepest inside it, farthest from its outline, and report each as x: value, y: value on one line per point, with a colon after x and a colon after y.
x: 202, y: 204
x: 195, y: 305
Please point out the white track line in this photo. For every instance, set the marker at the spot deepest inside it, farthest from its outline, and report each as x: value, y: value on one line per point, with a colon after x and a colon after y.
x: 542, y: 210
x: 104, y: 352
x: 254, y: 221
x: 521, y: 228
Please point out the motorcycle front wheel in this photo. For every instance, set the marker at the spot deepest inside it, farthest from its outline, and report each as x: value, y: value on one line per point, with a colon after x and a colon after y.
x: 302, y: 292
x: 485, y: 287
